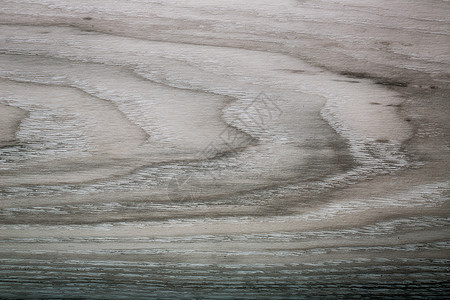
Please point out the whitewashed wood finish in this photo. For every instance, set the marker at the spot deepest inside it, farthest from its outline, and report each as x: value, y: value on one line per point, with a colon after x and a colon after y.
x: 339, y: 189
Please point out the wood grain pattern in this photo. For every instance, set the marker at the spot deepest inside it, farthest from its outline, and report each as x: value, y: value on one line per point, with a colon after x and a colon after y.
x: 207, y: 149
